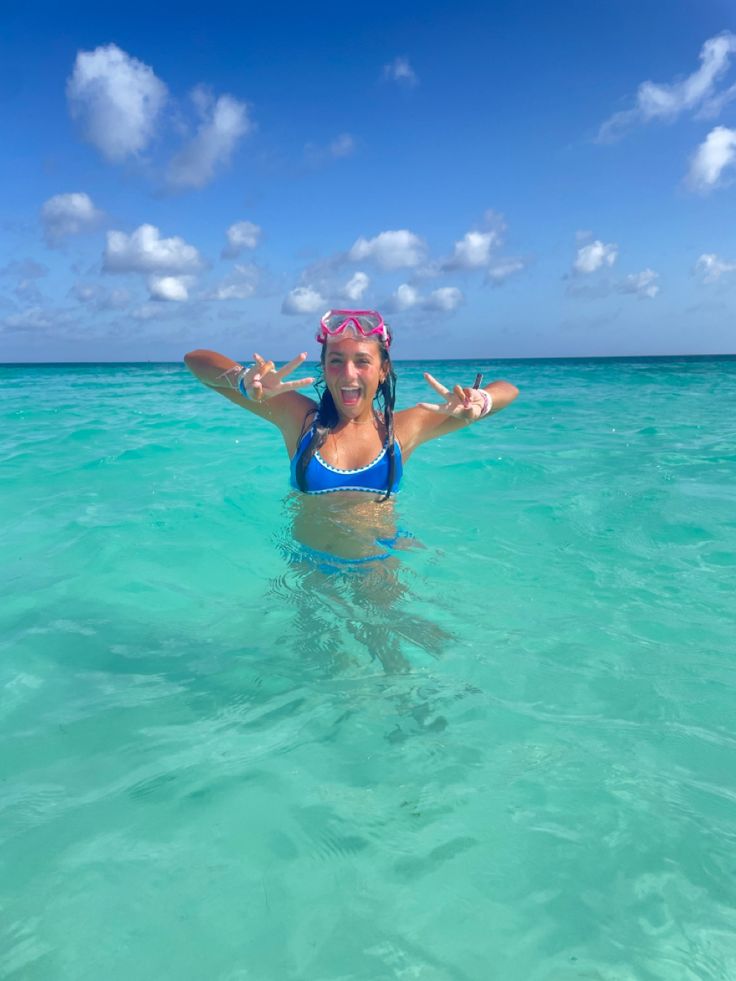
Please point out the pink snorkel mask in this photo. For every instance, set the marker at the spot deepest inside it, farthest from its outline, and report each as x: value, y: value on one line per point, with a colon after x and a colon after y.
x: 360, y: 324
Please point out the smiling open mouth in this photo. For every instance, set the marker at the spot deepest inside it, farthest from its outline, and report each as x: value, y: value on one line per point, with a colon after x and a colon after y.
x: 350, y: 396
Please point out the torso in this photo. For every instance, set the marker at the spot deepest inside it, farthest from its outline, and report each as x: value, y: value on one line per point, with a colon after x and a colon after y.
x: 347, y: 523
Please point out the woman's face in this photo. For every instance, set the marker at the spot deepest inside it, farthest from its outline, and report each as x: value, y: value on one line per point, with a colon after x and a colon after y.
x: 353, y: 371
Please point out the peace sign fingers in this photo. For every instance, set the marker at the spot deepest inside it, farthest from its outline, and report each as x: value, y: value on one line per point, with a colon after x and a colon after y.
x: 286, y: 369
x: 265, y: 382
x: 460, y: 403
x: 437, y: 386
x: 263, y: 367
x: 453, y: 399
x: 291, y: 366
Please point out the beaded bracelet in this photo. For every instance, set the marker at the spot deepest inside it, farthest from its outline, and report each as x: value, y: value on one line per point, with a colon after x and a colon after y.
x: 241, y: 384
x: 487, y: 403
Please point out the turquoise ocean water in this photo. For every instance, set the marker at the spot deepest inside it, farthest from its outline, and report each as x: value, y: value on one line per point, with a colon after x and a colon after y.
x: 509, y: 752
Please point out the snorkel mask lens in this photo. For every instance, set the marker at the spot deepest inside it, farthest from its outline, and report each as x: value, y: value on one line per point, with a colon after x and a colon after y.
x: 360, y: 324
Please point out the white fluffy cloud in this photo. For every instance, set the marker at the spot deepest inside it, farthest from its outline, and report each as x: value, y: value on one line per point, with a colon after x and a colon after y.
x: 169, y: 288
x: 223, y: 122
x: 711, y: 267
x: 240, y: 236
x: 400, y: 249
x: 240, y: 285
x: 473, y: 251
x: 405, y: 297
x: 233, y: 291
x: 116, y: 100
x: 399, y: 70
x: 303, y: 299
x: 643, y: 284
x: 594, y: 256
x: 68, y: 214
x: 355, y: 287
x: 712, y: 157
x: 504, y: 269
x: 667, y: 101
x: 445, y: 299
x: 145, y: 251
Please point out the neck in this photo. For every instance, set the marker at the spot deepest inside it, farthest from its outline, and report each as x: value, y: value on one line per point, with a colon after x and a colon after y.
x: 368, y: 419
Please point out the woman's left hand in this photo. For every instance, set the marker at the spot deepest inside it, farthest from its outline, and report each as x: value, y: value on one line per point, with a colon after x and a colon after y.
x: 464, y: 404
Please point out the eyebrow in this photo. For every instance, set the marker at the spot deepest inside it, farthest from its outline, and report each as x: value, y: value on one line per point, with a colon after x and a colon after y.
x: 362, y: 354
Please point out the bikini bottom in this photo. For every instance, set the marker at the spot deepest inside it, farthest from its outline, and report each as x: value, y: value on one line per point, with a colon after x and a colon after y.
x: 329, y: 564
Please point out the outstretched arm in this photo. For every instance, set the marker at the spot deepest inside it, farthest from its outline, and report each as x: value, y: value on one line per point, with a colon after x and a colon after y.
x: 460, y: 407
x: 260, y: 389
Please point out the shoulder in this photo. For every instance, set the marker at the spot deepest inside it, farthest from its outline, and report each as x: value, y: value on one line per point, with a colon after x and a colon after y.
x: 415, y: 426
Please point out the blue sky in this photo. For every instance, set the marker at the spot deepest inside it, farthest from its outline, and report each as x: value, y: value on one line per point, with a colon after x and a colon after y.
x: 500, y: 180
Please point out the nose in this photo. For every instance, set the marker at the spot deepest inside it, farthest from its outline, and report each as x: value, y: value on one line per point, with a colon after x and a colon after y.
x: 350, y: 371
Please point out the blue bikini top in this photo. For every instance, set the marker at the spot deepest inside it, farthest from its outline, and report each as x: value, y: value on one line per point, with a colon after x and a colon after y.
x: 323, y: 478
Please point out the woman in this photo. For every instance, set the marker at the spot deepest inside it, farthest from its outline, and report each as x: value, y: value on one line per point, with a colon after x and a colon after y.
x: 347, y: 456
x: 350, y: 445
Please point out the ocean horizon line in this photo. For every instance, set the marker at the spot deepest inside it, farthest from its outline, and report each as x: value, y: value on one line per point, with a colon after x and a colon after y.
x: 477, y: 357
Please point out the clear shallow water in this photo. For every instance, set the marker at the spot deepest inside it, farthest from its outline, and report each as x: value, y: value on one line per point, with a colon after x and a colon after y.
x: 508, y: 754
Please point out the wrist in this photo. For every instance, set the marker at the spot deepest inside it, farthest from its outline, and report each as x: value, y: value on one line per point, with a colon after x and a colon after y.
x: 241, y: 384
x: 487, y: 403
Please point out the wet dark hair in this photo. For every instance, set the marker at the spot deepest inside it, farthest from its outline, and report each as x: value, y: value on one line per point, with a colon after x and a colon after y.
x: 325, y: 417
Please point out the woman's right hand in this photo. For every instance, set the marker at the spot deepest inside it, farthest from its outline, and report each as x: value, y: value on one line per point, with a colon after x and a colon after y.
x: 262, y: 381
